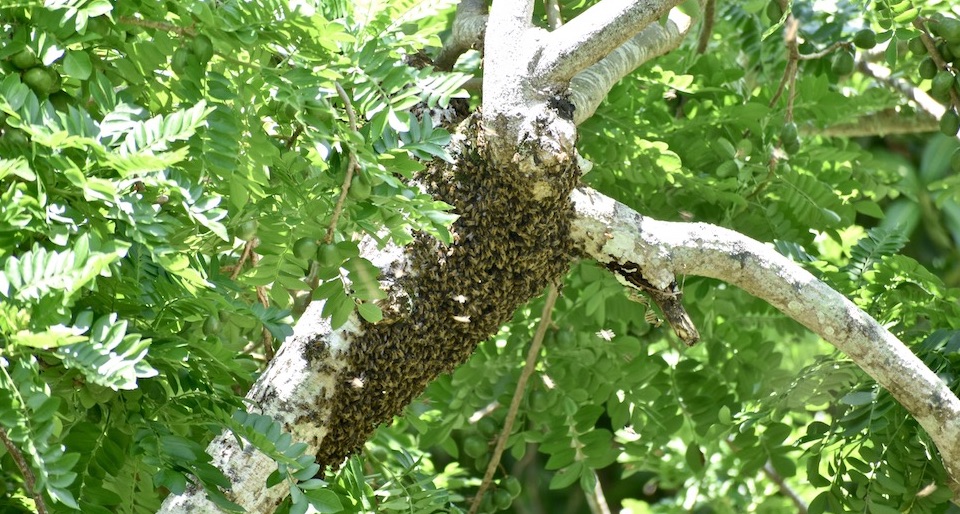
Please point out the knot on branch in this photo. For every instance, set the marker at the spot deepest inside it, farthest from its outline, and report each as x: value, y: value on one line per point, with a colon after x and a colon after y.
x: 668, y: 299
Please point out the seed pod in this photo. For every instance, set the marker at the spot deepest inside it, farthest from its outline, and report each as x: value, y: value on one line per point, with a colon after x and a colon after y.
x: 203, y: 48
x: 865, y: 39
x: 928, y: 68
x: 842, y: 64
x: 950, y: 123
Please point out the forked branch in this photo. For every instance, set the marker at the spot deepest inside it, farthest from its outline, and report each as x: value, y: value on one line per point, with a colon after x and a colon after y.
x: 595, y: 33
x: 589, y: 87
x: 606, y: 229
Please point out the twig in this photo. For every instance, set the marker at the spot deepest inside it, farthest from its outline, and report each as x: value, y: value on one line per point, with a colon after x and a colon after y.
x: 772, y: 474
x: 528, y: 368
x: 554, y: 20
x: 293, y: 137
x: 595, y: 498
x: 921, y: 99
x: 706, y: 30
x: 881, y: 123
x: 265, y: 337
x: 825, y: 52
x: 351, y: 167
x: 937, y: 58
x: 247, y: 250
x: 248, y: 253
x: 785, y: 488
x: 790, y: 73
x: 29, y: 480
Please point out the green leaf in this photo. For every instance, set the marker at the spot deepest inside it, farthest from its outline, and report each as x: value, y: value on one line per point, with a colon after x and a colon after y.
x: 154, y: 135
x: 324, y: 500
x: 370, y: 312
x: 567, y: 476
x: 77, y: 65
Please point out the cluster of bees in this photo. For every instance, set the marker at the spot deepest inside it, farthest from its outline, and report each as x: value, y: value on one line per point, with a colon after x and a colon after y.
x: 507, y: 247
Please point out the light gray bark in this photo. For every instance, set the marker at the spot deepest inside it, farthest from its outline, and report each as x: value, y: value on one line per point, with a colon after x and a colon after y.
x: 590, y: 87
x: 608, y: 230
x: 599, y: 30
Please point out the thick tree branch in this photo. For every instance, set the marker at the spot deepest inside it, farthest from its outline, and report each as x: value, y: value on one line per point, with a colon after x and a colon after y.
x: 590, y: 87
x: 596, y: 32
x: 289, y: 388
x: 608, y: 230
x: 469, y: 24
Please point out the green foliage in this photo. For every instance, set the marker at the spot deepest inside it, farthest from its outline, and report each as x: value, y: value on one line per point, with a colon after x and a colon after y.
x: 145, y: 146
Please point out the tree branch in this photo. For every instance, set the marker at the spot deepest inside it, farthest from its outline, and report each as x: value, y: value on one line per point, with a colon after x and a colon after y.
x: 533, y: 354
x: 469, y: 24
x: 608, y: 230
x: 882, y: 123
x: 590, y: 87
x: 29, y: 480
x: 706, y: 29
x: 593, y: 34
x: 554, y: 20
x: 283, y: 391
x: 922, y: 100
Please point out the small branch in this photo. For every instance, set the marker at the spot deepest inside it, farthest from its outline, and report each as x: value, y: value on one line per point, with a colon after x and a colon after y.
x: 247, y: 251
x: 158, y: 25
x: 351, y: 167
x: 785, y: 488
x: 935, y: 55
x: 554, y: 20
x: 883, y: 123
x: 668, y: 299
x: 28, y: 479
x: 706, y: 30
x: 782, y: 484
x: 922, y: 100
x: 590, y: 87
x: 595, y: 498
x: 825, y: 52
x: 595, y: 33
x: 469, y: 25
x: 293, y: 137
x: 911, y: 92
x: 351, y: 115
x: 532, y: 354
x: 790, y: 73
x: 607, y: 230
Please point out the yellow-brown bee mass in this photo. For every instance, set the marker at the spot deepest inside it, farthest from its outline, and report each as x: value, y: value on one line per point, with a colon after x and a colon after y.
x: 507, y: 247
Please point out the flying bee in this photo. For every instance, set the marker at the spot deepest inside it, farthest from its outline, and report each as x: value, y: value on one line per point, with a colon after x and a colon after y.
x: 648, y: 313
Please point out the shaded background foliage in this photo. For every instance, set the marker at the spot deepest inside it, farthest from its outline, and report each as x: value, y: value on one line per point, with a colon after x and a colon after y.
x: 174, y: 136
